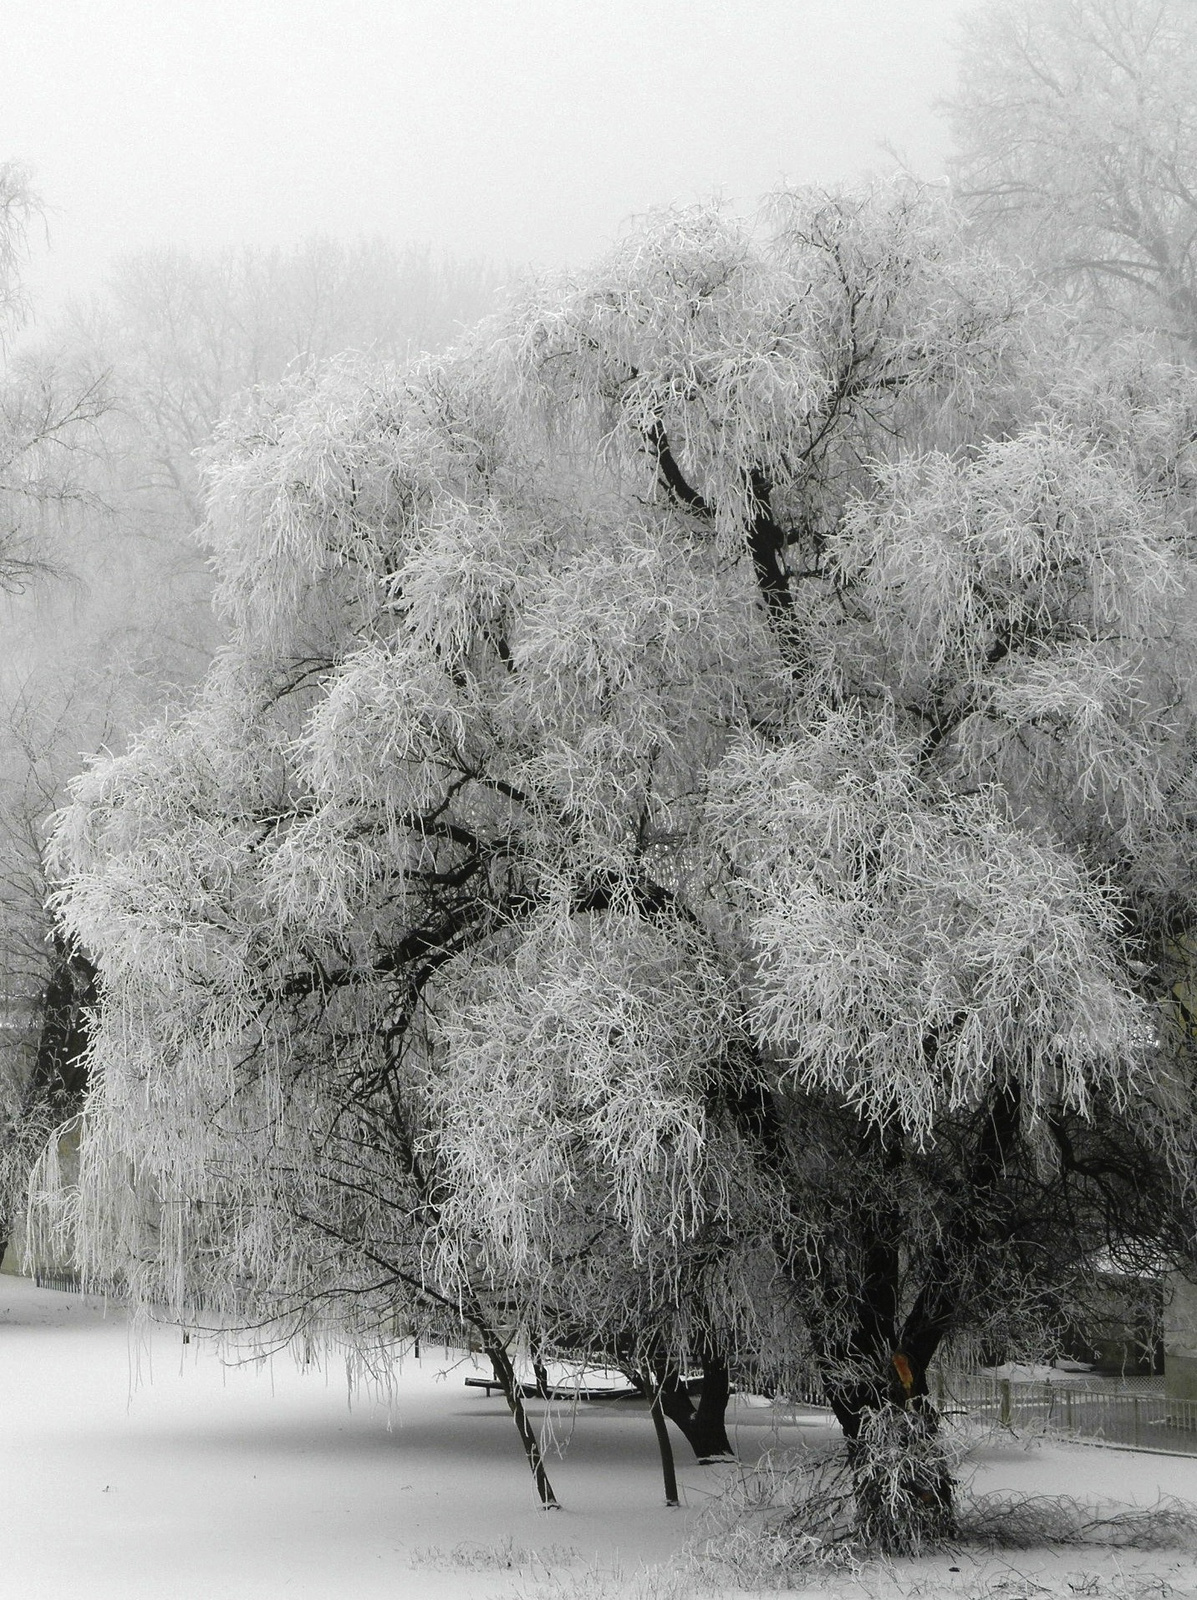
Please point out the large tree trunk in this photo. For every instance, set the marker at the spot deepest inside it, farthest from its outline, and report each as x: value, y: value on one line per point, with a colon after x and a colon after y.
x: 877, y: 1383
x: 903, y: 1487
x: 703, y: 1425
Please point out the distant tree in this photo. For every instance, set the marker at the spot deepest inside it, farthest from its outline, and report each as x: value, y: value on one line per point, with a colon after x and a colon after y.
x: 1076, y: 147
x: 18, y: 207
x: 182, y: 334
x: 46, y: 424
x: 682, y: 841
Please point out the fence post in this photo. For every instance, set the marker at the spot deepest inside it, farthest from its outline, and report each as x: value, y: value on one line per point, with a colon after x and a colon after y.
x: 1004, y: 1409
x: 1135, y: 1434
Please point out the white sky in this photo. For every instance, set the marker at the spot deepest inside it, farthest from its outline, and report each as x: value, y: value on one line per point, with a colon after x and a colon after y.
x: 520, y: 130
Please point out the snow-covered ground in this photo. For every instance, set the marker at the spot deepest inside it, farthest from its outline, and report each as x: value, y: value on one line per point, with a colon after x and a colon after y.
x: 151, y: 1470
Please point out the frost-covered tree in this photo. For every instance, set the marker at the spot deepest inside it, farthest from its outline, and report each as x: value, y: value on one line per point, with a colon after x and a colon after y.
x: 99, y: 425
x: 46, y: 424
x: 49, y: 441
x: 1076, y: 147
x: 679, y: 852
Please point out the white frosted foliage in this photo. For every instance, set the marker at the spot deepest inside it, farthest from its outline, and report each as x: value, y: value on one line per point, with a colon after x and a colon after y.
x: 672, y: 722
x: 584, y: 1057
x: 915, y: 950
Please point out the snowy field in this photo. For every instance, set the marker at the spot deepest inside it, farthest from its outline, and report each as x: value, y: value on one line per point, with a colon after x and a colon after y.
x: 151, y: 1470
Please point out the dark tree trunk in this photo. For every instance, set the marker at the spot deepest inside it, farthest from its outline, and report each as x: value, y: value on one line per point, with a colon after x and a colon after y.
x: 703, y: 1425
x: 59, y: 1075
x: 859, y: 1373
x: 904, y: 1489
x: 505, y: 1377
x: 902, y: 1485
x: 664, y: 1446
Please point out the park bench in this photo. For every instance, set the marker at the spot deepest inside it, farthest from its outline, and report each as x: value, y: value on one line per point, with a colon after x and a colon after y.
x: 559, y: 1391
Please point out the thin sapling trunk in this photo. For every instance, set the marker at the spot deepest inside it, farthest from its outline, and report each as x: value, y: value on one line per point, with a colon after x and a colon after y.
x: 505, y: 1377
x: 652, y: 1386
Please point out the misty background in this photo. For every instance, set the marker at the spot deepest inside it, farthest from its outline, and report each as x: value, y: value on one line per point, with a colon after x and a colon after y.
x: 524, y: 131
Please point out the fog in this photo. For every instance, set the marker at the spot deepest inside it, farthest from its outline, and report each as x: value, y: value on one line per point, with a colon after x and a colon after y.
x: 518, y: 131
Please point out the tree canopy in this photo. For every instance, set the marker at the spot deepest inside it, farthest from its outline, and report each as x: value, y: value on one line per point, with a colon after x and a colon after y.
x: 681, y: 848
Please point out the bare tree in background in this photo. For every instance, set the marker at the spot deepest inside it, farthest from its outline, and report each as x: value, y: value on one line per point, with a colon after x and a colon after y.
x: 183, y: 333
x: 1076, y: 147
x: 17, y: 209
x: 47, y: 422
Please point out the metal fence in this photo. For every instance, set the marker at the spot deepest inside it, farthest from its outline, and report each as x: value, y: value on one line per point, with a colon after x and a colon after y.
x: 70, y: 1283
x: 1138, y: 1416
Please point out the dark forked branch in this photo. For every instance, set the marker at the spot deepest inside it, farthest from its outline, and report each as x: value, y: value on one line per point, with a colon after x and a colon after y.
x: 767, y: 540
